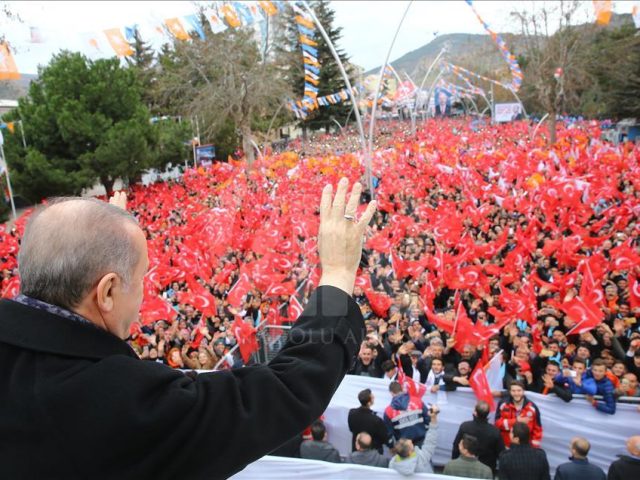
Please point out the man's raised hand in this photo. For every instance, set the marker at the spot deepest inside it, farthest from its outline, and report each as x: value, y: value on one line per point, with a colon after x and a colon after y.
x: 341, y: 235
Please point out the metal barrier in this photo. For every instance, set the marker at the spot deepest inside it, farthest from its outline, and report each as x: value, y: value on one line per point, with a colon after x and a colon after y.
x: 271, y: 338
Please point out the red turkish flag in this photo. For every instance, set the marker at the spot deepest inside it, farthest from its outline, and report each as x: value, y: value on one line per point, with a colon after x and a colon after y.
x: 277, y: 289
x: 428, y: 294
x: 624, y: 258
x: 480, y: 385
x: 12, y: 288
x: 590, y: 289
x: 413, y: 388
x: 223, y: 275
x: 464, y: 331
x: 634, y: 292
x: 246, y: 337
x: 440, y: 322
x: 584, y: 312
x: 363, y: 281
x: 239, y: 290
x: 155, y: 308
x: 399, y: 266
x: 379, y: 302
x: 295, y: 309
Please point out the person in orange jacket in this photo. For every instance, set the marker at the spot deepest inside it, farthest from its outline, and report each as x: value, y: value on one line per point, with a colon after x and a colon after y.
x: 518, y: 408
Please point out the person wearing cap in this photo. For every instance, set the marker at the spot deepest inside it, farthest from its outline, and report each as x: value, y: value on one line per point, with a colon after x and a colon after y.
x: 78, y: 399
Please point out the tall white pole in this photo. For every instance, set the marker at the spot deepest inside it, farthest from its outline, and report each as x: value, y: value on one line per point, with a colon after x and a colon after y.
x: 424, y: 79
x: 372, y: 122
x: 347, y: 82
x: 6, y: 172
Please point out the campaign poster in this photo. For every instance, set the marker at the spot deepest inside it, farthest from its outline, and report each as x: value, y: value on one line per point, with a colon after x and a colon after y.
x: 442, y: 99
x: 205, y: 155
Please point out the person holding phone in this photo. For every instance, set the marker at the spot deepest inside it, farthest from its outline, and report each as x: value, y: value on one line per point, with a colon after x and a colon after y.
x: 405, y: 462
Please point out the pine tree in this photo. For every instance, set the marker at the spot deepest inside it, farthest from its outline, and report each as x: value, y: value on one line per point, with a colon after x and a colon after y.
x: 289, y: 55
x: 143, y: 61
x: 331, y: 80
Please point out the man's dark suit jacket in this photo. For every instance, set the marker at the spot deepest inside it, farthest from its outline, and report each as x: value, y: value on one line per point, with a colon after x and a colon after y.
x: 490, y: 442
x: 524, y: 462
x: 363, y: 419
x: 76, y: 402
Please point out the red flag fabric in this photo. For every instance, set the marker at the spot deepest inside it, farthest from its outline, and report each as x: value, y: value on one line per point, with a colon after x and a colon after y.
x: 239, y: 290
x: 363, y: 281
x: 295, y: 309
x: 155, y: 308
x: 589, y: 289
x: 12, y: 288
x: 465, y: 332
x: 480, y: 385
x: 413, y: 388
x: 224, y: 274
x: 399, y: 265
x: 379, y: 302
x: 440, y: 322
x: 634, y: 292
x: 277, y: 289
x: 584, y: 313
x: 246, y: 337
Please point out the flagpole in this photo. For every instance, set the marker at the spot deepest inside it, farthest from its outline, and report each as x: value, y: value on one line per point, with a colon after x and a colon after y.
x: 372, y: 121
x: 347, y: 82
x: 24, y: 142
x: 6, y: 172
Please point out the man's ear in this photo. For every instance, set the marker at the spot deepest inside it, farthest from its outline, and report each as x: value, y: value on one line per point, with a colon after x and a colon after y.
x: 104, y: 292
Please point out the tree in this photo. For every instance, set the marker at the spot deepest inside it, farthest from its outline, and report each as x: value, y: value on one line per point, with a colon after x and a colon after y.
x: 290, y: 59
x: 614, y: 61
x: 546, y: 51
x: 84, y: 121
x: 331, y: 80
x: 143, y: 62
x: 222, y: 79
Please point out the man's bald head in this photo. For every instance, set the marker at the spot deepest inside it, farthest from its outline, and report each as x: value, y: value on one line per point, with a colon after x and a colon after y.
x: 70, y: 244
x: 580, y: 447
x: 363, y: 441
x: 633, y: 445
x: 482, y: 410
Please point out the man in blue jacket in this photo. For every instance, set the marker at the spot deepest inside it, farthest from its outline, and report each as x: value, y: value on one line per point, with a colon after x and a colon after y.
x: 577, y: 378
x: 579, y: 467
x: 604, y: 387
x: 406, y: 416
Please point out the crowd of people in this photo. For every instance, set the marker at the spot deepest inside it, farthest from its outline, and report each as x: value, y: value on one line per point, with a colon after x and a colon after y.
x: 485, y: 242
x: 506, y: 448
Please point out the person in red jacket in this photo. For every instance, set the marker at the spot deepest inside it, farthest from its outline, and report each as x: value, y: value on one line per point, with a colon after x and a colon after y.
x: 518, y: 408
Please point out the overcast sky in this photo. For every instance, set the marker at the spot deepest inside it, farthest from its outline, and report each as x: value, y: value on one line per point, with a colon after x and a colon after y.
x: 368, y: 27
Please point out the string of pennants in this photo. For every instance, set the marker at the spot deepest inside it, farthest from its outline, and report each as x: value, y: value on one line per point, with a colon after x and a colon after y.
x: 457, y: 68
x: 222, y: 15
x: 11, y: 126
x: 471, y: 88
x: 456, y: 90
x: 516, y: 73
x: 310, y: 100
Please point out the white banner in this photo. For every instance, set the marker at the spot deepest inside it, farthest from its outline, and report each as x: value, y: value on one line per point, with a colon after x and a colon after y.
x: 560, y: 421
x: 506, y: 112
x: 277, y: 468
